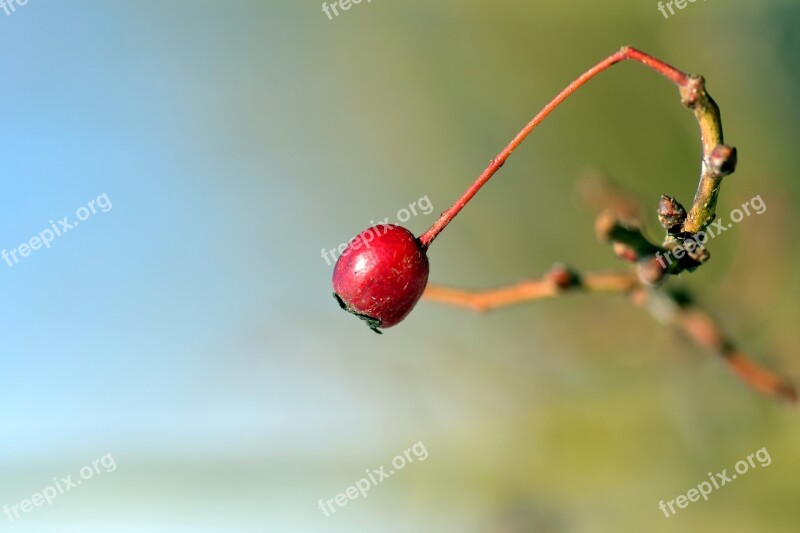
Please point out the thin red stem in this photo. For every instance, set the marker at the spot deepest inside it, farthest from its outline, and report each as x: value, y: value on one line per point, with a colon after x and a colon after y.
x: 670, y: 72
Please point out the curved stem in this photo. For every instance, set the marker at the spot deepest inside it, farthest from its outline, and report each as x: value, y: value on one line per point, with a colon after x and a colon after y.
x: 676, y: 76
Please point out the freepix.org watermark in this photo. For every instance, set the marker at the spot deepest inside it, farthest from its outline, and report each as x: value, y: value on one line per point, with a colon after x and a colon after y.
x: 403, y: 215
x: 374, y: 477
x: 10, y: 6
x: 715, y: 481
x: 713, y: 230
x: 48, y: 235
x: 334, y: 7
x: 60, y: 486
x: 680, y: 4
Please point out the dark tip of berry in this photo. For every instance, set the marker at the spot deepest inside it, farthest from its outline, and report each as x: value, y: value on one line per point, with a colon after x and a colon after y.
x: 372, y: 322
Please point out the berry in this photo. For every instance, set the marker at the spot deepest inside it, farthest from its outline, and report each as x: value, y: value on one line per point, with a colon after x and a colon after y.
x: 381, y: 275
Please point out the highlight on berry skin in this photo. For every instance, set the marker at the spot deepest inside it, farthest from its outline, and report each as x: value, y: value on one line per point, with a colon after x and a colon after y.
x: 381, y: 275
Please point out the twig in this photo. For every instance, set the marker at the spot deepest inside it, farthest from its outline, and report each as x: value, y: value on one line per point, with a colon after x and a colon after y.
x: 663, y: 306
x: 718, y: 159
x: 556, y: 282
x: 698, y: 326
x: 623, y: 231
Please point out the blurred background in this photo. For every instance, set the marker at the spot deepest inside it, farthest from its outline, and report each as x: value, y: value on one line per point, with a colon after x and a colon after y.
x: 190, y: 331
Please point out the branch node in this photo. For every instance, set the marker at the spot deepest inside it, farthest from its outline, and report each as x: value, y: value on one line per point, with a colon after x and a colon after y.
x: 651, y: 271
x: 563, y: 277
x: 671, y: 213
x: 722, y: 160
x: 693, y: 92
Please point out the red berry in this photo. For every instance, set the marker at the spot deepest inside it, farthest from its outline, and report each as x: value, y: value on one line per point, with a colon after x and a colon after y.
x: 381, y: 275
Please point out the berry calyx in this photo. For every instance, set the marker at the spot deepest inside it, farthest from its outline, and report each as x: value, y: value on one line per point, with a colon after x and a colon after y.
x: 381, y: 275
